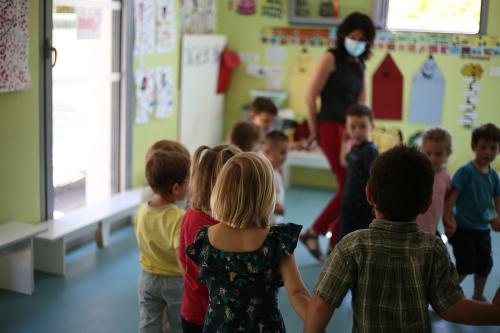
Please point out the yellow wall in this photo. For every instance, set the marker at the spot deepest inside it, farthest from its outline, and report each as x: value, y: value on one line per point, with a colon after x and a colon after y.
x: 20, y: 140
x: 243, y: 39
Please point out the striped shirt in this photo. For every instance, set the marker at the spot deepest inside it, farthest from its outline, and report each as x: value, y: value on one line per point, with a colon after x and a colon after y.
x: 393, y: 271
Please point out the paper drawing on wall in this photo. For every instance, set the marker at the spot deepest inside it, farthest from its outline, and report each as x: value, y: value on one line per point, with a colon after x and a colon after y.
x: 164, y: 91
x: 385, y: 139
x: 198, y: 16
x: 387, y: 90
x: 14, y: 46
x: 302, y: 8
x: 144, y: 95
x: 272, y: 8
x: 165, y: 26
x: 472, y: 74
x: 427, y: 94
x: 298, y: 83
x: 144, y: 25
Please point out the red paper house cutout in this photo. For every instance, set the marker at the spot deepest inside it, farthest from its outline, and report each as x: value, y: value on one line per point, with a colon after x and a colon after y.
x: 387, y: 91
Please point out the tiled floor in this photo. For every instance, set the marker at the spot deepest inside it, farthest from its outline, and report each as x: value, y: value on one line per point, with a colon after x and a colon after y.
x: 99, y: 293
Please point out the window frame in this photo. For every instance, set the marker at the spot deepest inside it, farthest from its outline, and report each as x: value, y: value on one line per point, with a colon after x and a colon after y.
x: 381, y: 10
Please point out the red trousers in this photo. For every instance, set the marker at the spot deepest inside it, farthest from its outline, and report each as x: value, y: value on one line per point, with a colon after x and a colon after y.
x: 329, y: 138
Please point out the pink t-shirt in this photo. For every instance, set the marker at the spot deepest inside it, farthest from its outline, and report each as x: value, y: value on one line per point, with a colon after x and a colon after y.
x: 429, y: 220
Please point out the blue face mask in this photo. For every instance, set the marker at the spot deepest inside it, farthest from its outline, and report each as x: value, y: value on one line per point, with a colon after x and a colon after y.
x: 354, y: 47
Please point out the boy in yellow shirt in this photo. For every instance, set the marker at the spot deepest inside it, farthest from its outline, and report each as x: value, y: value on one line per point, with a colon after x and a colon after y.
x: 157, y: 231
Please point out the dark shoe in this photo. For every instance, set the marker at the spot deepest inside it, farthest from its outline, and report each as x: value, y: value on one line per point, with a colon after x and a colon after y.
x: 305, y: 239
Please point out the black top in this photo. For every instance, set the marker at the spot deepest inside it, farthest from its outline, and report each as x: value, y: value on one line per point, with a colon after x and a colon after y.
x: 243, y: 286
x: 356, y: 211
x: 342, y: 88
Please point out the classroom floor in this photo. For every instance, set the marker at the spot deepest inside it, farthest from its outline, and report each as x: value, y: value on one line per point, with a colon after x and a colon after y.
x: 99, y: 293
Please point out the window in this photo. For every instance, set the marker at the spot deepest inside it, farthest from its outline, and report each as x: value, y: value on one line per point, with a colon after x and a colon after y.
x: 82, y: 107
x: 445, y: 16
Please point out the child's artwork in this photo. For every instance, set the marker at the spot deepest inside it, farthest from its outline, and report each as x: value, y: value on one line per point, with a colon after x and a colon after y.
x: 165, y: 26
x: 164, y: 91
x: 144, y: 20
x: 199, y: 16
x: 427, y: 94
x: 472, y: 74
x: 272, y: 8
x: 144, y: 95
x: 386, y: 139
x: 14, y: 46
x: 387, y: 93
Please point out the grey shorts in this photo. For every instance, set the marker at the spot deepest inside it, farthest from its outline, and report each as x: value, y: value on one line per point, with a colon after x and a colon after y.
x: 157, y: 292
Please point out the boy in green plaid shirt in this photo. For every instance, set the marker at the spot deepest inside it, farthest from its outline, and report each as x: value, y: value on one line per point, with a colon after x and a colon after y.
x: 393, y: 270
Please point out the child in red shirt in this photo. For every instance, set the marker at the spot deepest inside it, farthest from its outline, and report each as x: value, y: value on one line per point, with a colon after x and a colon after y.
x: 207, y: 162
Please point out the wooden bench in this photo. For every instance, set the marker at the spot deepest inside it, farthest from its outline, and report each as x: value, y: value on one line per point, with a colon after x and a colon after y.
x: 50, y: 246
x: 310, y: 159
x: 16, y: 256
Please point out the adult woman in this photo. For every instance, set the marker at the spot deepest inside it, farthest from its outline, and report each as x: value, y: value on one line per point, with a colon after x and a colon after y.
x: 339, y: 81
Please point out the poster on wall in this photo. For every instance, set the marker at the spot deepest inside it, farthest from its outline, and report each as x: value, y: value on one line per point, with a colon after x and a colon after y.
x: 272, y: 8
x: 198, y: 16
x: 387, y: 91
x: 144, y: 25
x: 144, y: 95
x: 164, y: 91
x: 427, y: 94
x: 165, y: 26
x: 14, y: 46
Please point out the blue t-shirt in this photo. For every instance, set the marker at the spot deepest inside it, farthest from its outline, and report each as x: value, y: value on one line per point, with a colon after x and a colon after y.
x: 475, y: 208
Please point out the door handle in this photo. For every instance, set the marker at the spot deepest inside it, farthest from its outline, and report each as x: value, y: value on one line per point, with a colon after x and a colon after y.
x: 50, y: 52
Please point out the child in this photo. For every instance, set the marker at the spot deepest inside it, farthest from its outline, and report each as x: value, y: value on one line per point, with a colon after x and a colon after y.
x: 275, y: 148
x: 246, y: 136
x: 157, y: 232
x: 207, y: 163
x: 356, y: 212
x: 263, y: 113
x: 161, y: 145
x: 242, y: 261
x: 436, y: 144
x: 393, y: 269
x: 474, y: 188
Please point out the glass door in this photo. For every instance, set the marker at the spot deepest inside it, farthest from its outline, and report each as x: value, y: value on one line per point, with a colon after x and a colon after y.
x: 85, y: 113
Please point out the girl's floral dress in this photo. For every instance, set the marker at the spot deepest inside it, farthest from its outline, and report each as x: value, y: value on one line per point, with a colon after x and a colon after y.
x: 243, y: 286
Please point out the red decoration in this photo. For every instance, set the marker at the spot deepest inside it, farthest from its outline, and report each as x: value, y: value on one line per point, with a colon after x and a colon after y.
x: 387, y: 91
x: 229, y: 60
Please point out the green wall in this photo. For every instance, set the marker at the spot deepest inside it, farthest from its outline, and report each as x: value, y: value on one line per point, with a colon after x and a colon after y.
x: 20, y: 140
x: 243, y: 39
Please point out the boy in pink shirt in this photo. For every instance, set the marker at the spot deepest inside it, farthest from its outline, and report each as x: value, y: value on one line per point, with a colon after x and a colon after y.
x: 436, y: 144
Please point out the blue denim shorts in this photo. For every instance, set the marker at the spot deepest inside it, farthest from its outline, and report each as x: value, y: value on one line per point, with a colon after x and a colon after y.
x: 156, y: 293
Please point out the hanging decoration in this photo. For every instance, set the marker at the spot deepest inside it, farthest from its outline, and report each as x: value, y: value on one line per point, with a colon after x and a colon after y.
x: 144, y: 27
x: 472, y: 74
x: 247, y: 7
x: 427, y: 94
x: 387, y: 93
x: 14, y: 46
x: 298, y: 82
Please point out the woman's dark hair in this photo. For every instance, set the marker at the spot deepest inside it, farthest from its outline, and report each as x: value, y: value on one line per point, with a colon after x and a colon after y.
x: 353, y: 22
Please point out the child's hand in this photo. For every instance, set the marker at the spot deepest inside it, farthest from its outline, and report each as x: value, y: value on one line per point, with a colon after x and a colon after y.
x: 495, y: 223
x: 450, y: 226
x: 279, y: 209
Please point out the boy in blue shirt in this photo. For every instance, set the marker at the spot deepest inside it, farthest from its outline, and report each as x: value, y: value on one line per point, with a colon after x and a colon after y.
x: 475, y: 200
